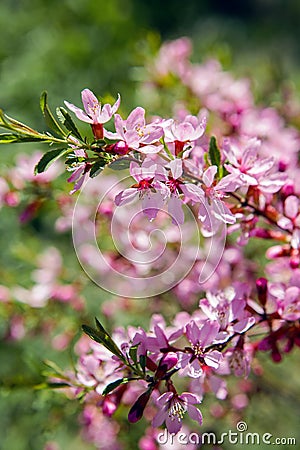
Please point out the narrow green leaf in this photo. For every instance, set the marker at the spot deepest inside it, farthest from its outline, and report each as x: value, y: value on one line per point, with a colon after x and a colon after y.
x: 110, y: 387
x: 206, y: 160
x: 49, y: 118
x: 8, y: 138
x: 104, y: 339
x: 48, y: 385
x: 3, y: 120
x: 11, y: 138
x: 49, y: 157
x: 67, y: 121
x: 143, y: 360
x: 108, y: 340
x: 133, y: 353
x: 97, y: 167
x: 120, y: 164
x: 214, y: 152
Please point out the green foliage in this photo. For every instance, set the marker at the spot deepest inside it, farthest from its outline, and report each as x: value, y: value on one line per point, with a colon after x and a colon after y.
x: 49, y: 118
x: 102, y: 337
x: 67, y: 121
x: 49, y: 157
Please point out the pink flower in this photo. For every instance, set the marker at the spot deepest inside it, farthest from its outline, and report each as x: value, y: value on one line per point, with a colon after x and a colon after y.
x: 148, y: 188
x: 172, y: 408
x: 191, y: 192
x: 228, y: 309
x: 239, y: 361
x: 94, y: 113
x: 213, y: 210
x: 200, y: 338
x: 136, y: 134
x: 245, y: 161
x: 184, y: 132
x: 291, y: 219
x: 287, y: 300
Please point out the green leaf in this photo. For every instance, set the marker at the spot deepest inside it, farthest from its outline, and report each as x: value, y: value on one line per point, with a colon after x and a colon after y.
x: 11, y: 138
x: 120, y: 164
x: 133, y: 353
x: 8, y: 138
x: 67, y: 121
x: 214, y: 152
x: 3, y: 120
x: 97, y: 167
x: 49, y: 157
x: 49, y: 118
x: 206, y: 160
x: 143, y: 360
x: 102, y: 337
x: 110, y: 387
x: 48, y: 385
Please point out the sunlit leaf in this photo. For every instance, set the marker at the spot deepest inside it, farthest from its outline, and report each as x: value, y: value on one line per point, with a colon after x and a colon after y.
x: 110, y: 387
x: 49, y: 118
x: 67, y: 121
x: 49, y: 157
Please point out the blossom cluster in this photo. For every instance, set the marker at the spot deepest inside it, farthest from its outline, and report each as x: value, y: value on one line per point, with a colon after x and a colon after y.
x: 234, y: 167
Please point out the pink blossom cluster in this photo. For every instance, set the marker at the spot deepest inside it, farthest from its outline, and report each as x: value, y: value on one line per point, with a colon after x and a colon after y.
x: 204, y: 347
x: 234, y: 167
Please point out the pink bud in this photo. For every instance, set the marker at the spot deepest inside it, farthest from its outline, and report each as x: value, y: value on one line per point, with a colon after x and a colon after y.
x: 121, y: 148
x: 12, y: 199
x: 288, y: 189
x: 262, y: 289
x: 108, y: 407
x: 168, y: 361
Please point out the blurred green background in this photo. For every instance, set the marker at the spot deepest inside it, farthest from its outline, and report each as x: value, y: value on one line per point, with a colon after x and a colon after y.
x: 65, y: 46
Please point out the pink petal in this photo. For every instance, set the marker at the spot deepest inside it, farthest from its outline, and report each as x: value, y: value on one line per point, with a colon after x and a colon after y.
x: 160, y: 417
x: 152, y: 134
x: 150, y: 149
x: 126, y: 196
x: 76, y: 174
x: 243, y: 325
x: 175, y: 210
x: 78, y: 112
x: 192, y: 192
x: 173, y: 424
x: 291, y: 206
x: 209, y: 175
x: 116, y: 105
x: 213, y: 358
x: 136, y: 118
x: 190, y: 398
x: 119, y: 127
x: 222, y: 212
x: 208, y: 332
x: 176, y: 168
x: 230, y: 183
x: 183, y: 131
x: 90, y: 102
x: 164, y: 399
x: 195, y: 414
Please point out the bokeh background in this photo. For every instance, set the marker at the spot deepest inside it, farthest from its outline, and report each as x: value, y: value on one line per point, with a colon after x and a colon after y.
x: 63, y: 47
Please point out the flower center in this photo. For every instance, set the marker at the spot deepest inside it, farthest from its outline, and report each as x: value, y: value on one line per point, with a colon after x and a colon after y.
x: 172, y: 184
x: 198, y: 350
x: 177, y: 410
x: 145, y: 184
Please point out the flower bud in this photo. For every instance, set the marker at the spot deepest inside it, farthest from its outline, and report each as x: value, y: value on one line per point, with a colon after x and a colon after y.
x: 137, y: 410
x: 262, y: 289
x: 121, y: 148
